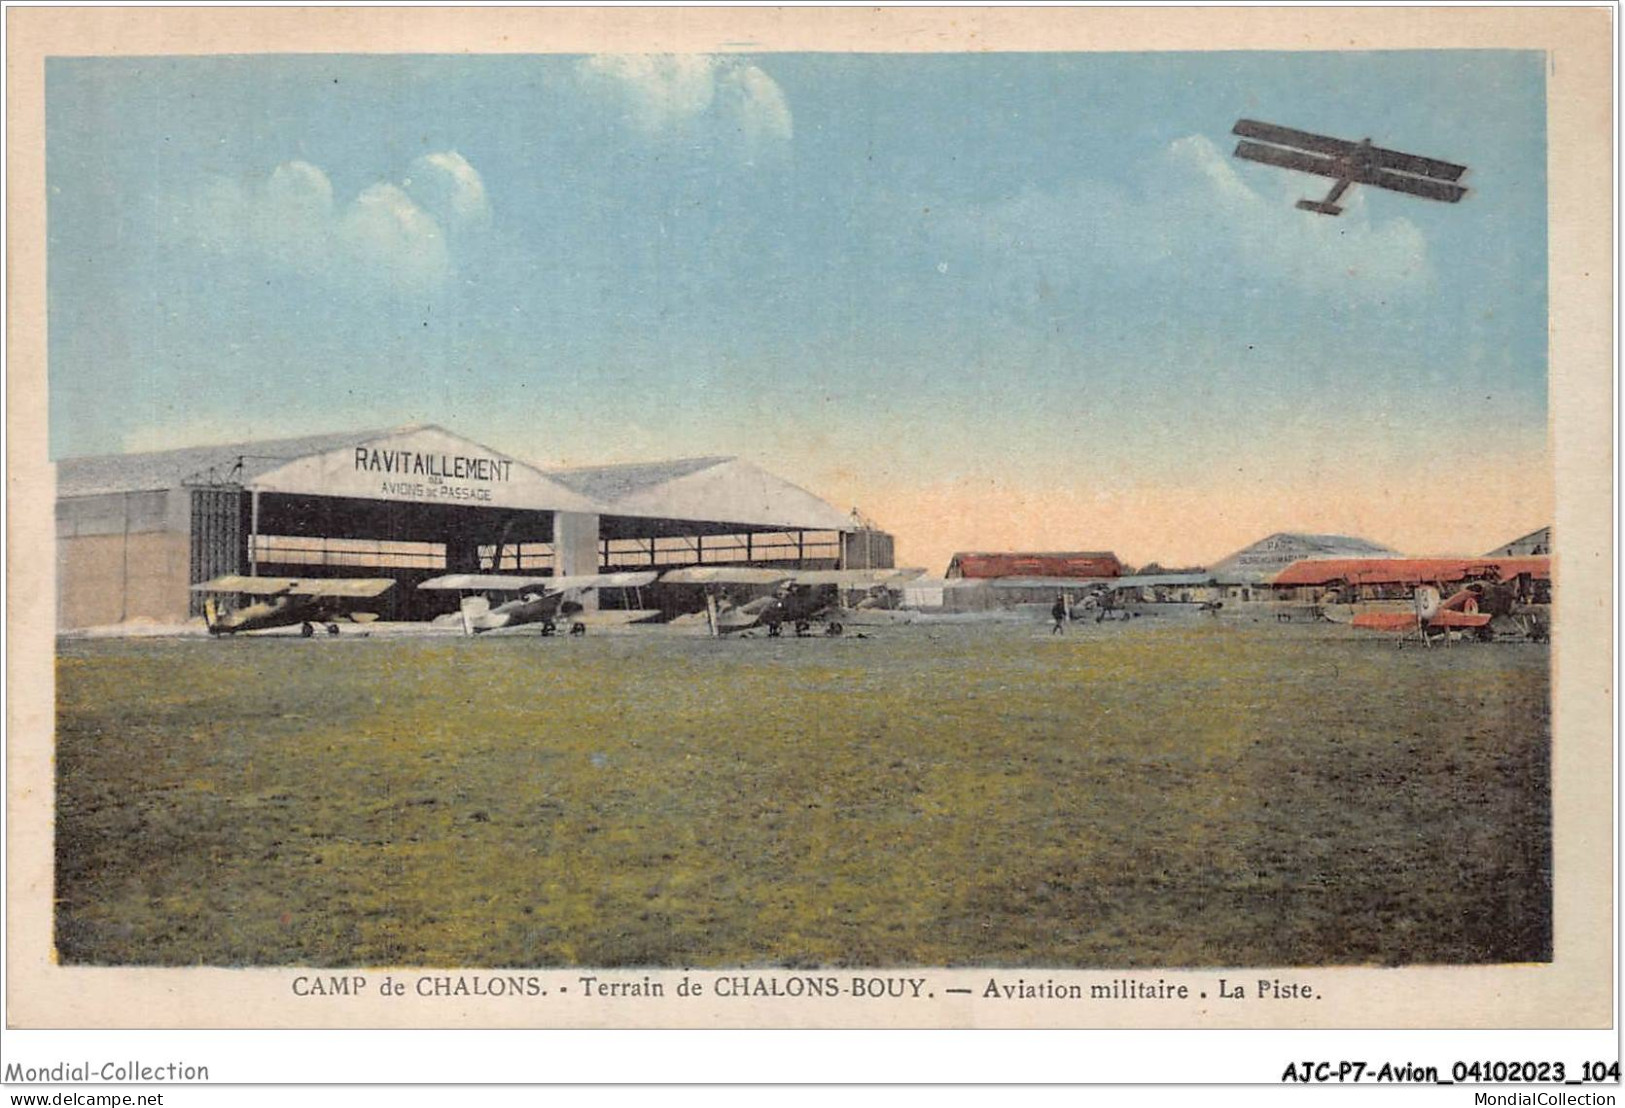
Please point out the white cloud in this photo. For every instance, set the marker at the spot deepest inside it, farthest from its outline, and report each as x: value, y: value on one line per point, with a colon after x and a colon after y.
x: 386, y: 232
x: 296, y: 201
x: 656, y: 93
x: 756, y: 103
x: 1352, y: 252
x: 390, y: 236
x: 1196, y: 219
x: 446, y: 185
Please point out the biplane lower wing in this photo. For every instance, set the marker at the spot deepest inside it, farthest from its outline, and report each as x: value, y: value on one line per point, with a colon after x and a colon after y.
x: 1410, y: 621
x: 1416, y: 186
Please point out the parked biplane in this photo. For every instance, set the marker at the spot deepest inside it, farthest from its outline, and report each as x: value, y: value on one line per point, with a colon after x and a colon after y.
x: 285, y: 601
x: 800, y: 598
x: 536, y: 600
x: 1482, y: 598
x: 1347, y: 163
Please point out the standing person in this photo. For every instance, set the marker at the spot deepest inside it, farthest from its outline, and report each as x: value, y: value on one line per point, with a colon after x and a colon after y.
x: 1058, y: 614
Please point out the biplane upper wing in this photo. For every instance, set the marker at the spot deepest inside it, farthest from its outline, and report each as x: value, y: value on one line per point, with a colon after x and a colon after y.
x: 726, y: 575
x: 855, y: 578
x: 1342, y: 148
x: 486, y: 582
x: 1287, y: 148
x: 511, y: 582
x: 604, y: 580
x: 357, y: 587
x: 1286, y: 136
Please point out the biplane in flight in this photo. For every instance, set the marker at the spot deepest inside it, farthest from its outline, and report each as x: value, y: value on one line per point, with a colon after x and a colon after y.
x: 1347, y: 163
x: 799, y: 598
x: 538, y: 600
x: 286, y: 601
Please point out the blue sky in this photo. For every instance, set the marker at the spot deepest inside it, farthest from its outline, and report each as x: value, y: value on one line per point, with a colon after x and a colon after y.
x: 887, y: 277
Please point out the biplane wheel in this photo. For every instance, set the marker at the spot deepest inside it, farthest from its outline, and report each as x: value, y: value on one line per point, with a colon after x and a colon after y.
x: 548, y: 627
x: 306, y: 630
x: 332, y: 628
x: 578, y: 628
x: 834, y: 629
x: 802, y: 628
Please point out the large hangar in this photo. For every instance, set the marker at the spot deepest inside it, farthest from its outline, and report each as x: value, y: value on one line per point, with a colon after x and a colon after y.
x: 135, y: 531
x: 1259, y: 563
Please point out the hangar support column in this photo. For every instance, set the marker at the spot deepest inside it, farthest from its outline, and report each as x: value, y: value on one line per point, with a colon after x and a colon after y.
x: 575, y: 547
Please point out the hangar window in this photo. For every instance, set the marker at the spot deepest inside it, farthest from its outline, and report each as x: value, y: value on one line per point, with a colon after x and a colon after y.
x: 525, y: 555
x: 688, y: 550
x: 328, y: 551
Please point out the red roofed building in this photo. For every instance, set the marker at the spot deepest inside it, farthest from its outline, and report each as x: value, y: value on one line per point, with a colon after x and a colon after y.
x: 1409, y: 571
x: 1100, y: 563
x: 1356, y: 580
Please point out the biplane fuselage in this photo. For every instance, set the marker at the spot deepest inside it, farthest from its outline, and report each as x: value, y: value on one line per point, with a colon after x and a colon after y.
x: 285, y: 602
x: 799, y: 598
x: 793, y: 604
x: 540, y: 600
x: 269, y: 614
x: 530, y: 608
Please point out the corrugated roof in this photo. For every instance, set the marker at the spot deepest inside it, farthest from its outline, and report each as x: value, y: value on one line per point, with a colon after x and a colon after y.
x: 616, y: 482
x: 1255, y: 564
x: 166, y: 469
x: 1337, y: 543
x: 1309, y: 545
x: 1042, y: 582
x: 1407, y: 571
x: 1034, y: 554
x: 1163, y: 580
x: 1038, y: 564
x: 1541, y: 537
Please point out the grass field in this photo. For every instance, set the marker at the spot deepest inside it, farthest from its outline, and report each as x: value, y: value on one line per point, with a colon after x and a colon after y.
x: 1175, y: 795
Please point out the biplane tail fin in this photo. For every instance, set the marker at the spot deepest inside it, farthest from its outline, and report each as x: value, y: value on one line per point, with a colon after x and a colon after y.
x: 472, y: 608
x: 1324, y: 207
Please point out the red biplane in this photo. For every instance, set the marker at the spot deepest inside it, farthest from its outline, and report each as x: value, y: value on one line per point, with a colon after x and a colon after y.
x: 1478, y: 597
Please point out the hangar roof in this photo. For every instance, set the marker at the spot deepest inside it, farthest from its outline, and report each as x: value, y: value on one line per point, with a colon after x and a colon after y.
x: 168, y: 469
x: 1256, y: 563
x: 419, y: 463
x: 716, y: 488
x: 611, y: 483
x: 1536, y: 542
x: 1071, y: 563
x: 1408, y: 571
